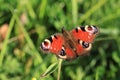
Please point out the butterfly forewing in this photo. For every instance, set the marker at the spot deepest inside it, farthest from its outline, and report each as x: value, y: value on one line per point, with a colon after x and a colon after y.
x: 54, y: 44
x: 84, y: 33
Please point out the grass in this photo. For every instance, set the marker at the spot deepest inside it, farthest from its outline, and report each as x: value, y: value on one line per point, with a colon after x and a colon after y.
x: 30, y: 22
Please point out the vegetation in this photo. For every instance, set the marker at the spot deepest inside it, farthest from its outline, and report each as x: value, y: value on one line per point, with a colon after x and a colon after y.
x: 31, y: 21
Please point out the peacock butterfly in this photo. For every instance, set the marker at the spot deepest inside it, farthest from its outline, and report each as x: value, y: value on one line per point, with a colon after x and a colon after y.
x: 70, y: 44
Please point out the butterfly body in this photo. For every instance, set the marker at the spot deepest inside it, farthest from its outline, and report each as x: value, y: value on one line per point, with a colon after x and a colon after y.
x: 70, y: 44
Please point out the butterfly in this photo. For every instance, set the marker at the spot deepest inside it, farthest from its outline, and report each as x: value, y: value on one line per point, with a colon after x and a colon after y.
x: 71, y: 44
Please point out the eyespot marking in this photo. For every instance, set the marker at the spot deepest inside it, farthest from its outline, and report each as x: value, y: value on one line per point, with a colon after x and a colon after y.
x: 89, y: 47
x: 92, y: 29
x: 45, y: 45
x: 62, y: 53
x: 83, y: 43
x: 96, y: 30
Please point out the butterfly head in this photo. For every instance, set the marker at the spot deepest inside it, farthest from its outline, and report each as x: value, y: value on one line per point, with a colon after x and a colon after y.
x: 91, y: 29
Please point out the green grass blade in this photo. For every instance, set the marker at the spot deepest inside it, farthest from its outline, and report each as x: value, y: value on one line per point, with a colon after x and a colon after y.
x: 4, y: 47
x: 50, y: 69
x: 74, y: 10
x: 59, y: 68
x: 42, y: 8
x: 29, y: 41
x: 93, y: 9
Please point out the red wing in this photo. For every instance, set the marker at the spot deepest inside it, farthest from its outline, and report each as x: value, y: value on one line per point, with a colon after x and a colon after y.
x: 84, y: 36
x: 56, y: 45
x: 83, y: 48
x: 85, y: 33
x: 70, y: 53
x: 52, y: 44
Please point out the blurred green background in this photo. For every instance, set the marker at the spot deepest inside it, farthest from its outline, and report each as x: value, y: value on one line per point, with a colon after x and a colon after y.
x: 31, y: 21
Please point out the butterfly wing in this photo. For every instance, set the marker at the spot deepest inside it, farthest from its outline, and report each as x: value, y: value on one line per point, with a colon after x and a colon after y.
x: 66, y: 53
x: 85, y: 33
x: 52, y: 44
x: 57, y: 45
x: 84, y: 37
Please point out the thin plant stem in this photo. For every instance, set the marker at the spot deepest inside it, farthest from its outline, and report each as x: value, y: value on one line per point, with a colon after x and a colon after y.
x: 97, y: 75
x: 102, y: 39
x: 4, y: 47
x: 59, y: 68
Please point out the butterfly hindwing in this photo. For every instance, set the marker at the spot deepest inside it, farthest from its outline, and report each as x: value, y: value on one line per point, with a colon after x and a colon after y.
x: 83, y: 47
